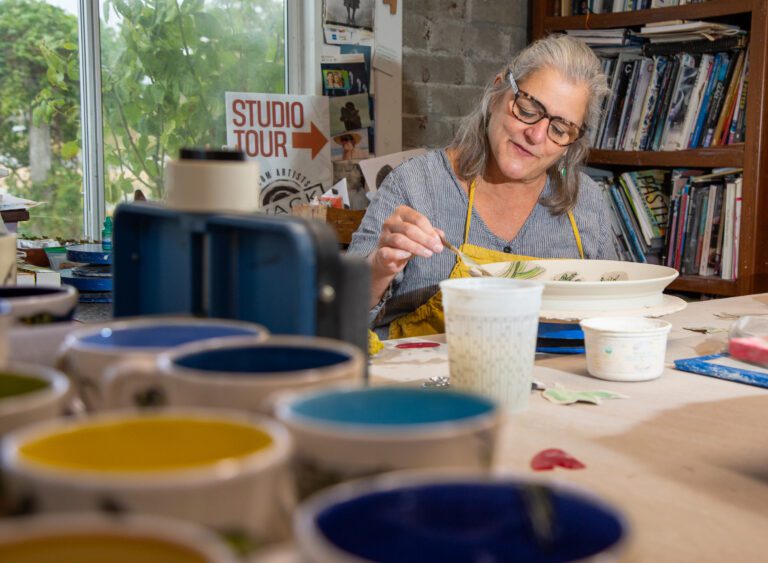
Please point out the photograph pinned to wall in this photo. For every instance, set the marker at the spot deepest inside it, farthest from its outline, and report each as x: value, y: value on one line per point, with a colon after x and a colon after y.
x: 350, y: 13
x: 362, y: 53
x: 339, y: 35
x: 364, y: 50
x: 352, y: 67
x: 349, y: 113
x: 350, y: 145
x: 335, y: 80
x: 375, y: 170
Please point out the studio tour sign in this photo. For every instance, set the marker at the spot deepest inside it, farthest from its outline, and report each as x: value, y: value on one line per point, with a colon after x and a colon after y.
x: 288, y: 137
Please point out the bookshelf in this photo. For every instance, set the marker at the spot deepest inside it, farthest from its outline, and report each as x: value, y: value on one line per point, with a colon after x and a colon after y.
x: 751, y: 155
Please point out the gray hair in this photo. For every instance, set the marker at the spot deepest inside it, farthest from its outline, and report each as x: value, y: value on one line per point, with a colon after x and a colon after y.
x: 574, y: 60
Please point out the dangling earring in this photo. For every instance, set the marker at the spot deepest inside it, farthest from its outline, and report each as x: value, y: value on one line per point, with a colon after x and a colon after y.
x: 561, y: 166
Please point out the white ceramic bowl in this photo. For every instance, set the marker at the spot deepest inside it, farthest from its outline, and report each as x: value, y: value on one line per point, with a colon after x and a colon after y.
x: 639, y: 285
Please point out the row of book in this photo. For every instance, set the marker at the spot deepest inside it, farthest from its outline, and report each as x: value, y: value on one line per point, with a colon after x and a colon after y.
x: 673, y: 100
x: 701, y: 36
x: 686, y: 219
x: 577, y: 7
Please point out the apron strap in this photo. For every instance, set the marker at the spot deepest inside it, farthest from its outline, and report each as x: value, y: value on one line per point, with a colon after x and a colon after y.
x: 576, y: 234
x: 468, y: 220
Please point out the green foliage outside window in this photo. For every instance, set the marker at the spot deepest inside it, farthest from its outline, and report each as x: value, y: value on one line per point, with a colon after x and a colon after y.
x: 165, y: 67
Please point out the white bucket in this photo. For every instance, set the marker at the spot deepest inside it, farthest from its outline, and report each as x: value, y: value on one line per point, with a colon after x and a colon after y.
x: 625, y: 348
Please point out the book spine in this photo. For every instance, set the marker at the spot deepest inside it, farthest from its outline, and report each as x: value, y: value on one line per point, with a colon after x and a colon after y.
x: 740, y: 129
x: 681, y: 98
x: 700, y: 118
x: 681, y: 225
x: 705, y: 67
x: 691, y: 229
x: 669, y: 241
x: 629, y: 101
x: 636, y: 207
x: 651, y: 101
x: 716, y: 103
x: 662, y: 109
x: 716, y: 242
x: 726, y: 268
x: 727, y: 108
x: 625, y: 72
x: 637, y: 249
x: 643, y: 82
x: 736, y: 230
x: 617, y: 227
x: 737, y: 104
x: 705, y: 244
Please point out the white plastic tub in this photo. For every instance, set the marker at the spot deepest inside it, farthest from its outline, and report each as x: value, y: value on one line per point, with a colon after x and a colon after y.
x: 625, y: 348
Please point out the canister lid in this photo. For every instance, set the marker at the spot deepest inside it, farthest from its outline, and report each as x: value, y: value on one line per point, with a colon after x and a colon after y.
x: 209, y: 154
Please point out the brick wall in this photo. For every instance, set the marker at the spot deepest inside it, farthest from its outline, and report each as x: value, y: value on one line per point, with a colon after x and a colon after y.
x: 451, y: 48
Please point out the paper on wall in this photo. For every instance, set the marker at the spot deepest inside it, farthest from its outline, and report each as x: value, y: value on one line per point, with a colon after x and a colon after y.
x: 338, y: 35
x: 373, y: 167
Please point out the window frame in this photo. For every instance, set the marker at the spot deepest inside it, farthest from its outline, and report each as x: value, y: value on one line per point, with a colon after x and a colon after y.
x: 302, y: 45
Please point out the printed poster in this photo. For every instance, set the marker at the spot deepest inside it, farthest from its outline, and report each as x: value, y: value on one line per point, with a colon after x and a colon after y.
x: 288, y: 136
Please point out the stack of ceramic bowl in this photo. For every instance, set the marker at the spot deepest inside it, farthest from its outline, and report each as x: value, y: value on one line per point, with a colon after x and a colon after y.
x: 210, y: 457
x: 93, y: 276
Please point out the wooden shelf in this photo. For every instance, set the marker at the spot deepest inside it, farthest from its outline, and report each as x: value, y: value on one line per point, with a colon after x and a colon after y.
x: 751, y: 156
x: 711, y: 9
x: 700, y: 284
x: 712, y: 157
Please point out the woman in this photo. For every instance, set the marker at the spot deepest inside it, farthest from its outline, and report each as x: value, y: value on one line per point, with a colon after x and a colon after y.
x: 348, y: 141
x: 352, y: 6
x: 509, y: 187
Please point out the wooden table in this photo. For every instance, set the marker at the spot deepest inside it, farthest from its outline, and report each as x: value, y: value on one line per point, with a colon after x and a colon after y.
x: 685, y: 456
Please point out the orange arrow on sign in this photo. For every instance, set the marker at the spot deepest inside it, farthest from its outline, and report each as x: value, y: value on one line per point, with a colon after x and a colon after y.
x: 314, y: 140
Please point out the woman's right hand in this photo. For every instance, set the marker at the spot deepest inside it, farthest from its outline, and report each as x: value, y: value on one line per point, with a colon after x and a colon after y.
x: 405, y: 234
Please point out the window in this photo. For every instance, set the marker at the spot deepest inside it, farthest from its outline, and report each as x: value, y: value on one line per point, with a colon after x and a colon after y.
x: 147, y: 76
x: 40, y: 112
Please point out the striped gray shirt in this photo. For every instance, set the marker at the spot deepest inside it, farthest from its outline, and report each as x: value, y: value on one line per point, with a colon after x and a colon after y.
x: 427, y: 184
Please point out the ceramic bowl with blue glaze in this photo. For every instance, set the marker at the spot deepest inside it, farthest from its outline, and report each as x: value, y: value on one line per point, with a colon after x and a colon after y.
x: 420, y: 517
x: 346, y: 433
x: 87, y: 353
x: 235, y: 372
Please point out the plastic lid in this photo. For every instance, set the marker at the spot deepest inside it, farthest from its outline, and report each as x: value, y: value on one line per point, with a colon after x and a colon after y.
x: 208, y: 154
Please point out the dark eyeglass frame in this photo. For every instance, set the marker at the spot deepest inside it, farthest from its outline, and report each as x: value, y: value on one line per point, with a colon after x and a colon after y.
x: 543, y: 110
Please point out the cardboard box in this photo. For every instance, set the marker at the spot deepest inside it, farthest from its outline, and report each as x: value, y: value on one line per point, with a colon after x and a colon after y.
x: 344, y: 221
x: 40, y: 275
x: 25, y: 278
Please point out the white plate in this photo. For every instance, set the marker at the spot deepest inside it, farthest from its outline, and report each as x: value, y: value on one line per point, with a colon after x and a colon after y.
x: 641, y: 285
x: 669, y: 304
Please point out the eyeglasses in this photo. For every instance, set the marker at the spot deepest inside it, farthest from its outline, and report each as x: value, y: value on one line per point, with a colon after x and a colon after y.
x: 529, y: 110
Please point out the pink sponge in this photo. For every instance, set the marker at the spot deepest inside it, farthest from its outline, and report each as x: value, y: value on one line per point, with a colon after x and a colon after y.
x: 753, y: 349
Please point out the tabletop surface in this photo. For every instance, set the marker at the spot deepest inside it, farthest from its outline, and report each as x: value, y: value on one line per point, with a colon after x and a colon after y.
x: 685, y: 456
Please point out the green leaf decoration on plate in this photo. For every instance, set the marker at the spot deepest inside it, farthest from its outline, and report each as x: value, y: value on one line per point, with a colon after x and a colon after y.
x: 522, y: 270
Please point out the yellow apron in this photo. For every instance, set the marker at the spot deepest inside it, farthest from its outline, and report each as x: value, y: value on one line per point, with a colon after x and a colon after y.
x: 428, y: 318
